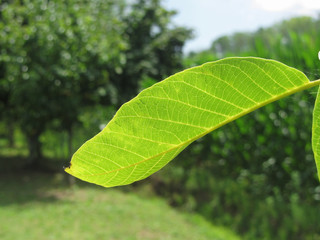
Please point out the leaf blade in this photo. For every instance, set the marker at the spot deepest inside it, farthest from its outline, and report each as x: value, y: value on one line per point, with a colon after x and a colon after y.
x: 316, y: 132
x: 151, y: 129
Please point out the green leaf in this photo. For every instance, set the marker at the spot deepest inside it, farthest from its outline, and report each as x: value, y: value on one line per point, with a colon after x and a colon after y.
x: 316, y: 132
x: 154, y: 127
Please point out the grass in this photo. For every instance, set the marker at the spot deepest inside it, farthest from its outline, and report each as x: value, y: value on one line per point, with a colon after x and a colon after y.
x: 42, y: 206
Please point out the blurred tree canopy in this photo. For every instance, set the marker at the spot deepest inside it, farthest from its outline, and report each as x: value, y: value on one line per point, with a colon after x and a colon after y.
x: 57, y: 57
x: 296, y: 43
x: 154, y: 47
x: 260, y: 168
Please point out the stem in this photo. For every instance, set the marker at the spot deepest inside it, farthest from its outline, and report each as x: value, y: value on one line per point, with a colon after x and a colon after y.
x: 315, y: 83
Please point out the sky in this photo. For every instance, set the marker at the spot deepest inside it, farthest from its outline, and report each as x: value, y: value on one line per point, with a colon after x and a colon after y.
x: 211, y: 19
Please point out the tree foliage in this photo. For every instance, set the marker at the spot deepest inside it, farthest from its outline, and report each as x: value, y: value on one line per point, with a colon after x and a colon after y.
x: 59, y: 56
x: 277, y: 178
x: 154, y: 48
x: 293, y: 42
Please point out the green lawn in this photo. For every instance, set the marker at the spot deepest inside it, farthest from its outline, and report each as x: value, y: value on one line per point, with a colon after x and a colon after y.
x: 38, y: 206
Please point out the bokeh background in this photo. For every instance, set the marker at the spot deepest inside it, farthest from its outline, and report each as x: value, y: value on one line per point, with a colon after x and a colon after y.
x: 67, y: 66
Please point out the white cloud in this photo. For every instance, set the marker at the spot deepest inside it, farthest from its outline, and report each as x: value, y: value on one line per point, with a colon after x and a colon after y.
x: 282, y: 5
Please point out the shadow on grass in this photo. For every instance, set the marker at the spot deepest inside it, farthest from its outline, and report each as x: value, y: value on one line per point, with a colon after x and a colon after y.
x: 18, y: 162
x: 48, y: 183
x: 21, y: 187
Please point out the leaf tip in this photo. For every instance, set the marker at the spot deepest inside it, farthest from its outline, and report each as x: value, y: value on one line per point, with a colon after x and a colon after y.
x: 68, y: 169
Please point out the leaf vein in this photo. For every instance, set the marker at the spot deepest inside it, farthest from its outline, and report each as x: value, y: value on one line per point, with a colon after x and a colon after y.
x: 92, y: 164
x: 121, y: 148
x: 267, y: 74
x: 108, y: 159
x: 142, y: 138
x: 248, y: 76
x: 129, y: 175
x: 190, y: 105
x: 164, y: 120
x: 223, y: 81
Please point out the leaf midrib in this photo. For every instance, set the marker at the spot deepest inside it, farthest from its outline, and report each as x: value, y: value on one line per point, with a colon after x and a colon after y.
x: 275, y: 98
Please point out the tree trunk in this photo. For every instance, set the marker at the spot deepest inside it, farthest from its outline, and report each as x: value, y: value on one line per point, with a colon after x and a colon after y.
x: 70, y: 135
x: 10, y: 134
x: 35, y: 151
x: 71, y: 179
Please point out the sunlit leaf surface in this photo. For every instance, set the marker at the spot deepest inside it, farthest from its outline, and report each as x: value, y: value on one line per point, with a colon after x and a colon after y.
x: 154, y: 127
